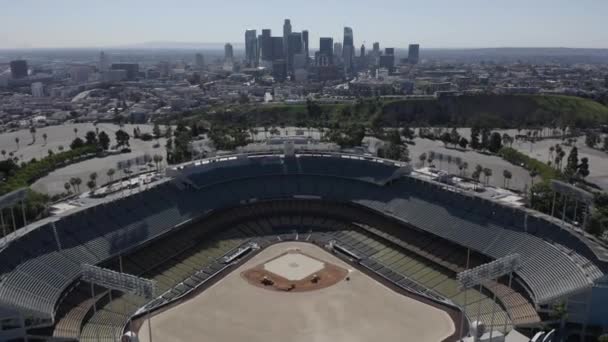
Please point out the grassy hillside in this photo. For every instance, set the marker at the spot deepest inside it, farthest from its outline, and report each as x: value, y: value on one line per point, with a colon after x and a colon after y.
x: 509, y: 111
x: 496, y: 111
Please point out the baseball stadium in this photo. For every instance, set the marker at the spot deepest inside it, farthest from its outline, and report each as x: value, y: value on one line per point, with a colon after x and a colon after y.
x: 298, y: 245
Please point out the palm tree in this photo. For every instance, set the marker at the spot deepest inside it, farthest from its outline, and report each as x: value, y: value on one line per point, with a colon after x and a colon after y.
x: 91, y: 185
x: 44, y: 136
x: 110, y: 174
x: 33, y: 133
x: 3, y: 154
x: 449, y: 160
x: 465, y: 167
x: 78, y: 182
x: 422, y: 158
x: 157, y: 160
x: 17, y: 142
x: 93, y: 176
x: 60, y: 148
x: 487, y: 172
x: 73, y: 183
x: 507, y: 177
x: 67, y: 186
x: 75, y: 132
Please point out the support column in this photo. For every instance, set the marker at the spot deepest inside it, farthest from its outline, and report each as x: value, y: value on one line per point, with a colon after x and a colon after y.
x: 507, y: 317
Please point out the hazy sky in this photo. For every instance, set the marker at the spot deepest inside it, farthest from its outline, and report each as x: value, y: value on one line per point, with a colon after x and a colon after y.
x: 432, y: 23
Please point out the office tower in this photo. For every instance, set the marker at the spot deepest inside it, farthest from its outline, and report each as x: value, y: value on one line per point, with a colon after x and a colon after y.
x: 326, y: 52
x: 278, y: 52
x: 413, y: 54
x: 228, y: 52
x: 299, y: 61
x: 199, y: 61
x: 104, y: 62
x: 348, y: 48
x: 266, y: 45
x: 279, y: 70
x: 294, y: 47
x: 337, y: 52
x: 251, y: 47
x: 305, y: 42
x: 376, y: 50
x: 362, y: 54
x: 131, y: 69
x: 389, y: 51
x: 18, y: 69
x: 163, y: 69
x: 37, y: 89
x: 286, y: 33
x: 80, y: 73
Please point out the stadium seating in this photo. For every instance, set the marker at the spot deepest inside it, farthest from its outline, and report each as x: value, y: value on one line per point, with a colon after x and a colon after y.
x: 41, y: 265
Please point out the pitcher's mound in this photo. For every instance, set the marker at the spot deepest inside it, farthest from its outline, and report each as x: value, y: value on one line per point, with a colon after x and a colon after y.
x: 294, y: 271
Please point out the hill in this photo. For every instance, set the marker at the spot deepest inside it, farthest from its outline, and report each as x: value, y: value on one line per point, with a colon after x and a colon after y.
x: 495, y: 111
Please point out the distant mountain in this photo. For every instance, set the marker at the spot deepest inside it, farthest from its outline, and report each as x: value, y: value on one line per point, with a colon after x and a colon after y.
x: 179, y: 45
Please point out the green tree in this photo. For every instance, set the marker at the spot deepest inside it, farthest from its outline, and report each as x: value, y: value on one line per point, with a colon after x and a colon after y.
x: 603, y: 338
x: 76, y: 144
x: 122, y: 138
x: 90, y: 138
x: 17, y: 142
x: 495, y: 143
x: 454, y: 136
x: 463, y: 142
x: 104, y: 141
x: 75, y: 132
x: 591, y: 139
x: 583, y: 168
x: 156, y: 131
x: 572, y: 162
x: 44, y: 137
x: 67, y: 186
x: 485, y: 138
x: 475, y: 143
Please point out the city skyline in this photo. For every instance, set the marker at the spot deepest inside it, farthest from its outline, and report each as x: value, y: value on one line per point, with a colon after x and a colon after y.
x: 435, y: 24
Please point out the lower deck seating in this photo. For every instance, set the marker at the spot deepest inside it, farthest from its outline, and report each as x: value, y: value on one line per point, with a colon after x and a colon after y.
x: 419, y: 261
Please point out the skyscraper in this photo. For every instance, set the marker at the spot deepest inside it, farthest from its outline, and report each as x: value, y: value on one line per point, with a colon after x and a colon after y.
x: 305, y: 42
x: 199, y: 62
x: 104, y: 62
x: 251, y: 47
x: 228, y: 52
x: 266, y: 45
x: 18, y: 69
x: 325, y: 56
x: 413, y: 54
x: 362, y: 54
x: 348, y: 49
x: 278, y: 52
x: 376, y: 50
x: 286, y: 33
x: 337, y: 52
x: 294, y: 46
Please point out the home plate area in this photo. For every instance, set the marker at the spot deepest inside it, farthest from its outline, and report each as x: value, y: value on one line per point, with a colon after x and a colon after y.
x: 294, y: 271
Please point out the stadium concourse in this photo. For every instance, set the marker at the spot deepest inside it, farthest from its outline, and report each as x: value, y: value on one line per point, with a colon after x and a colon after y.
x: 207, y: 218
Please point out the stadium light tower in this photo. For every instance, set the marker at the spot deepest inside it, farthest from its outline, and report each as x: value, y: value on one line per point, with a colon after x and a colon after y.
x: 9, y: 201
x: 489, y: 272
x: 120, y: 282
